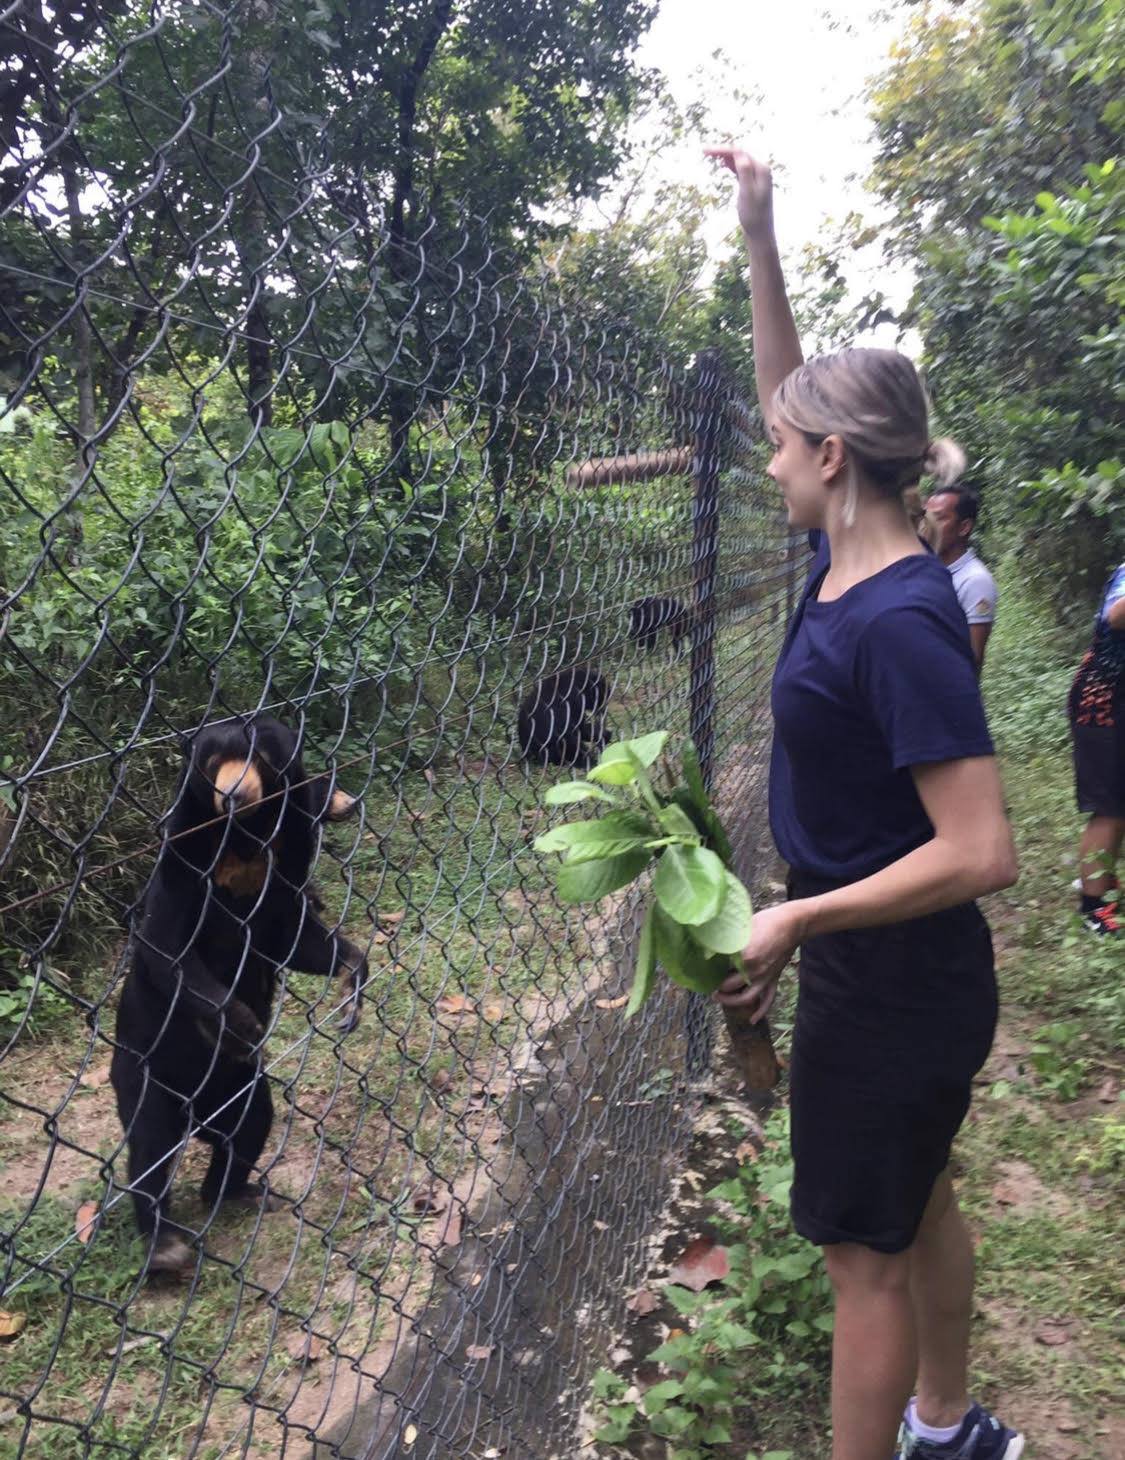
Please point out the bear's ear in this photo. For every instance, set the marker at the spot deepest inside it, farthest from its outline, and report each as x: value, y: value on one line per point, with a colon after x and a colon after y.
x: 279, y: 746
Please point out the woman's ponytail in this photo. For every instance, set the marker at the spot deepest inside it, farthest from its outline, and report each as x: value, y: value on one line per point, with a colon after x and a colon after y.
x: 944, y: 461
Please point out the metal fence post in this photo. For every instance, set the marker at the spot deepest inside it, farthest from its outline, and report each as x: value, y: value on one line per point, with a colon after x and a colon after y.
x: 708, y: 429
x: 708, y: 424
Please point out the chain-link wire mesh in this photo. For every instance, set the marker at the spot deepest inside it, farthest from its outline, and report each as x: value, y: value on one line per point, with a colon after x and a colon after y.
x: 270, y: 447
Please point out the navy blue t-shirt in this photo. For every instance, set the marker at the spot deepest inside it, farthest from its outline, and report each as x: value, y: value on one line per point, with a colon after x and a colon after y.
x: 868, y: 685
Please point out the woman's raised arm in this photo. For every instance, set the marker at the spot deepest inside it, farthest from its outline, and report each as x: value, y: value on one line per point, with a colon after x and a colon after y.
x: 777, y: 349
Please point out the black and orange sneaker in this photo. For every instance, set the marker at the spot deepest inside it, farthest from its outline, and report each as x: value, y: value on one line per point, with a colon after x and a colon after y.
x: 1103, y: 919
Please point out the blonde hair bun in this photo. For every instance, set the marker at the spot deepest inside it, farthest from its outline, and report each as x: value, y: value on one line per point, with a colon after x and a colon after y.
x: 944, y: 461
x: 875, y: 401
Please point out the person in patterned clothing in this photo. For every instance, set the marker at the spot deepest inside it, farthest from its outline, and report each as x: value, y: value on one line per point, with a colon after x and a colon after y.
x: 1097, y: 727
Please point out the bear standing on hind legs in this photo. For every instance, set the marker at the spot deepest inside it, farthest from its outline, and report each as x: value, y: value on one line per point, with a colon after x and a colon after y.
x: 229, y: 905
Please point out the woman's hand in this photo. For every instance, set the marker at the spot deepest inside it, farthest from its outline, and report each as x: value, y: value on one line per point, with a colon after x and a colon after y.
x: 776, y: 933
x: 755, y: 189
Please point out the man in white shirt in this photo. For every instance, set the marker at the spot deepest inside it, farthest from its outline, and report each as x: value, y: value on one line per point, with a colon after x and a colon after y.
x: 951, y: 513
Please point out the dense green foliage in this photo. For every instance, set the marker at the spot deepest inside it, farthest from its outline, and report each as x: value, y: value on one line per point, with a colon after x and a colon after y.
x: 999, y: 127
x: 998, y: 130
x: 760, y: 1332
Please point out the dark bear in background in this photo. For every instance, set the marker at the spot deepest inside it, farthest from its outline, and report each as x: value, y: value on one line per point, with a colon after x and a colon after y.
x: 228, y: 906
x: 649, y: 617
x: 561, y: 720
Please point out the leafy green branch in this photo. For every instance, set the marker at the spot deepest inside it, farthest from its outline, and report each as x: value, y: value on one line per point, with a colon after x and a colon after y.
x: 700, y: 916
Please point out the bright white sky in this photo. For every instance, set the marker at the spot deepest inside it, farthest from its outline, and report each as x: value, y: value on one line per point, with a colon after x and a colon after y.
x: 809, y: 61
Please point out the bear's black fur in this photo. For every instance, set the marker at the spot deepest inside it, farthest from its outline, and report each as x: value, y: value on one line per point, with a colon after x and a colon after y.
x: 561, y: 720
x: 229, y: 905
x: 649, y: 617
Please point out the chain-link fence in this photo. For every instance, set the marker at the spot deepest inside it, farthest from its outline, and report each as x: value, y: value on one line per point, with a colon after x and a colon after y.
x: 275, y: 444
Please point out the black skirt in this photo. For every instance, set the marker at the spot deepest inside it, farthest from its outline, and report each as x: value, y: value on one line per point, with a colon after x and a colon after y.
x: 892, y: 1024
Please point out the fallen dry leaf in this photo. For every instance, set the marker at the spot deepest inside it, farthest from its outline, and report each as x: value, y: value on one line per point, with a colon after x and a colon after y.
x: 11, y: 1323
x: 642, y: 1302
x: 431, y: 1200
x: 95, y: 1077
x: 746, y: 1151
x: 84, y: 1219
x: 390, y: 919
x: 478, y: 1350
x: 701, y: 1262
x: 455, y: 1004
x: 1052, y: 1331
x: 429, y: 775
x: 306, y: 1346
x: 441, y: 1080
x: 612, y: 1003
x: 451, y: 1235
x: 1107, y: 1093
x: 134, y: 1343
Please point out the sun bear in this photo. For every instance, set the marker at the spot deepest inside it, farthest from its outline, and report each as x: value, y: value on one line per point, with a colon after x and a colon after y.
x: 229, y: 905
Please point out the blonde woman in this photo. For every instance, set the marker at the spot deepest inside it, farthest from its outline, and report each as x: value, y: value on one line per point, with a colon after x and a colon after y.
x: 886, y: 803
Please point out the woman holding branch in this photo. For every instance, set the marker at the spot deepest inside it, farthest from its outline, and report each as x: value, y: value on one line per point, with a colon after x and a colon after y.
x: 886, y: 803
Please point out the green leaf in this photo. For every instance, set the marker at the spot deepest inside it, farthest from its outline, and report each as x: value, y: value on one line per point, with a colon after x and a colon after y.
x: 681, y: 957
x: 676, y: 822
x: 590, y: 881
x: 660, y: 1395
x: 693, y: 775
x: 614, y: 772
x: 689, y: 884
x: 567, y: 792
x: 644, y: 750
x: 682, y: 798
x: 610, y: 847
x: 670, y: 944
x: 645, y: 975
x: 606, y: 833
x: 717, y: 835
x: 729, y: 930
x: 705, y: 818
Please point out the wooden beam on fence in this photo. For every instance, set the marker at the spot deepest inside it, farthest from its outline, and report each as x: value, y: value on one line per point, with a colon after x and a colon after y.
x: 636, y: 466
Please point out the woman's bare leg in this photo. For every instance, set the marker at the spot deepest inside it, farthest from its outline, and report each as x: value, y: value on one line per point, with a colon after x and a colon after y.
x: 1097, y: 853
x: 874, y: 1352
x: 941, y: 1285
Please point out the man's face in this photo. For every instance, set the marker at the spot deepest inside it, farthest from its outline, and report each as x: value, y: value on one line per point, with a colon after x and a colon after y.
x: 949, y: 537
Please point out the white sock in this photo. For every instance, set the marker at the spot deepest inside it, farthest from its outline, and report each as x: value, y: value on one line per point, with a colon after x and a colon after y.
x: 931, y: 1432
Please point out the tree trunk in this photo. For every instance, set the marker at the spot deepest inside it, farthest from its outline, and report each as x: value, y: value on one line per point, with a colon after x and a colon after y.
x: 85, y: 423
x: 399, y: 404
x: 250, y: 226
